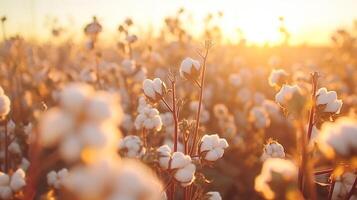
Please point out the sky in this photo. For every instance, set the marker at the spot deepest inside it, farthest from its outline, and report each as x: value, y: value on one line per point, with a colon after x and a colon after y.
x: 309, y: 21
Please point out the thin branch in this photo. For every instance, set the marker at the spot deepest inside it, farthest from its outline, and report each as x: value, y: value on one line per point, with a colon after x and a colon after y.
x: 166, y: 104
x: 199, y: 102
x: 332, y: 187
x: 350, y: 193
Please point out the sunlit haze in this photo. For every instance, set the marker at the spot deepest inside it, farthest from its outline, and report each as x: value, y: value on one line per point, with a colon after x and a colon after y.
x: 308, y: 22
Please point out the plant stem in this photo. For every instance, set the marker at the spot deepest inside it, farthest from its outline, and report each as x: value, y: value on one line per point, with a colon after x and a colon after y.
x: 332, y: 187
x: 199, y: 103
x: 306, y: 168
x: 174, y: 114
x: 350, y: 193
x: 144, y: 137
x: 6, y: 147
x: 313, y: 106
x: 167, y: 105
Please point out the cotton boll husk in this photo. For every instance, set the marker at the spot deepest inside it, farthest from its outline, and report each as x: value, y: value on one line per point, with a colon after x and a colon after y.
x: 54, y: 124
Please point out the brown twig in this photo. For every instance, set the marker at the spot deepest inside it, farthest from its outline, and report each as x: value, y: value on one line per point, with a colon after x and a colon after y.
x: 350, y: 193
x: 200, y: 100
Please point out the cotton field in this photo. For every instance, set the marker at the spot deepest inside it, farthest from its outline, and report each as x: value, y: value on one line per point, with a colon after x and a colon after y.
x: 176, y: 115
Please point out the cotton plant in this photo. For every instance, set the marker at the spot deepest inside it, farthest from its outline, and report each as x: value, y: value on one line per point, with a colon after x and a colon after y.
x: 56, y: 179
x: 131, y: 146
x: 181, y: 165
x: 113, y: 179
x: 327, y: 104
x: 12, y: 184
x: 338, y: 139
x: 85, y: 120
x: 277, y: 179
x: 212, y: 147
x: 190, y: 69
x: 272, y: 149
x: 259, y: 117
x: 5, y: 104
x: 278, y: 77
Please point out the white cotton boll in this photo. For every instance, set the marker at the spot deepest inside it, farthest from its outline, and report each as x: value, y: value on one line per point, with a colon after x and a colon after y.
x: 132, y: 146
x: 149, y: 119
x: 338, y: 138
x: 52, y: 178
x: 277, y: 77
x: 54, y: 125
x: 164, y: 156
x: 190, y: 68
x: 273, y: 150
x: 74, y: 96
x: 159, y: 86
x: 104, y: 106
x: 70, y: 148
x: 286, y: 169
x: 1, y: 91
x: 329, y: 99
x: 235, y: 80
x: 244, y: 95
x: 213, y: 196
x: 15, y: 148
x: 4, y: 179
x: 286, y: 93
x: 136, y: 181
x: 140, y: 75
x: 93, y: 135
x: 127, y: 123
x: 11, y: 126
x: 186, y: 175
x: 128, y: 66
x: 179, y: 160
x: 212, y: 147
x: 5, y: 104
x: 131, y: 38
x: 5, y: 192
x: 171, y: 144
x: 148, y: 88
x: 17, y: 180
x: 259, y: 117
x: 167, y: 119
x: 88, y: 75
x: 25, y: 164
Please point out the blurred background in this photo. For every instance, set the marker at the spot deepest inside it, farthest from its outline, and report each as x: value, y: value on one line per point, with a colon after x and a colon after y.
x: 308, y: 22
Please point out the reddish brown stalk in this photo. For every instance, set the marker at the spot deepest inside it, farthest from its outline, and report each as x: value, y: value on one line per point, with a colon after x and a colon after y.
x: 99, y: 82
x: 332, y: 187
x: 305, y: 168
x: 313, y: 107
x: 192, y: 151
x: 6, y: 147
x: 143, y: 132
x: 350, y: 193
x: 303, y: 137
x: 174, y: 114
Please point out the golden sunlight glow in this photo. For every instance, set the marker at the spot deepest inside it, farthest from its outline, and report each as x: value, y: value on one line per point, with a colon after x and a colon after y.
x: 307, y: 22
